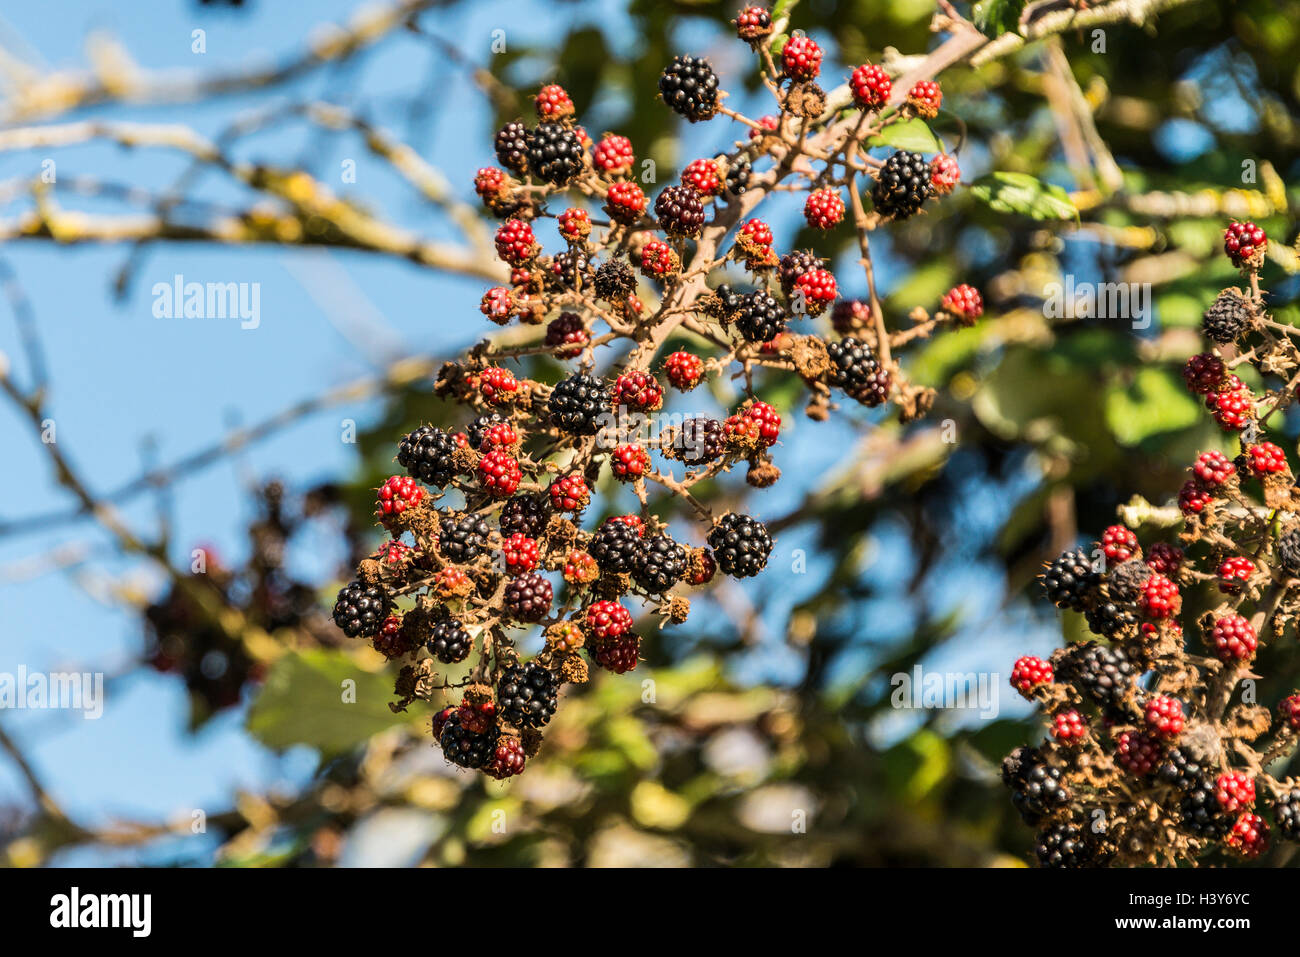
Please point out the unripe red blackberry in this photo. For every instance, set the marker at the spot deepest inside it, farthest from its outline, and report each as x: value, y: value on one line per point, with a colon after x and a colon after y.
x: 499, y: 474
x: 553, y: 103
x: 759, y: 317
x: 528, y: 598
x: 766, y: 418
x: 523, y: 515
x: 613, y: 155
x: 1028, y: 673
x: 703, y: 176
x: 507, y: 759
x: 463, y: 538
x: 753, y: 24
x: 660, y: 564
x: 741, y: 545
x: 498, y: 304
x: 638, y: 391
x: 1164, y: 716
x: 1193, y: 498
x: 577, y: 403
x: 945, y: 174
x: 391, y: 641
x: 767, y: 124
x: 701, y: 567
x: 497, y: 385
x: 815, y: 290
x: 608, y: 619
x: 580, y: 568
x: 515, y: 242
x: 1234, y: 791
x: 1234, y: 573
x: 393, y: 552
x: 684, y: 370
x: 1249, y: 836
x: 520, y: 553
x: 618, y: 654
x: 963, y: 302
x: 511, y: 145
x: 360, y: 609
x: 659, y: 260
x: 566, y: 335
x: 871, y: 86
x: 569, y: 493
x: 1160, y: 598
x: 1232, y: 638
x: 792, y: 266
x: 925, y: 98
x: 902, y: 185
x: 690, y: 88
x: 1232, y: 409
x: 629, y: 462
x: 856, y: 370
x: 1265, y: 458
x: 1165, y: 558
x: 823, y: 209
x: 1204, y: 373
x: 1245, y: 244
x: 1119, y: 544
x: 449, y: 642
x: 1138, y: 754
x: 426, y: 454
x: 801, y: 58
x: 1229, y: 317
x: 555, y: 153
x: 397, y: 494
x: 1069, y: 727
x: 574, y: 224
x: 680, y: 211
x: 1213, y: 468
x: 1288, y: 711
x: 625, y: 202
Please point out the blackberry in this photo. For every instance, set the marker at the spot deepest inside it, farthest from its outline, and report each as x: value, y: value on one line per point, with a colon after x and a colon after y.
x: 463, y: 538
x: 1110, y: 619
x: 449, y: 642
x: 792, y: 266
x: 722, y: 305
x: 855, y: 369
x: 1200, y: 812
x: 577, y: 403
x: 475, y: 430
x: 1066, y: 846
x: 741, y: 545
x: 738, y: 174
x: 614, y: 282
x: 426, y: 454
x: 760, y: 317
x: 523, y: 515
x: 572, y: 269
x: 1287, y: 811
x: 1100, y: 672
x: 462, y: 747
x: 554, y: 153
x: 1288, y: 552
x: 702, y: 440
x: 680, y: 211
x: 1036, y: 787
x: 690, y: 88
x: 660, y: 564
x: 1070, y: 581
x: 616, y: 547
x: 528, y: 597
x: 360, y: 609
x: 902, y: 185
x: 526, y: 695
x: 1229, y: 316
x: 1180, y: 770
x: 1126, y: 580
x: 512, y: 147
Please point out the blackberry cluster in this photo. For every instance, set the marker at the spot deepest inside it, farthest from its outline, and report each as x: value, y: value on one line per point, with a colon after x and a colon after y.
x: 1070, y: 581
x: 792, y: 266
x: 1200, y: 813
x: 524, y: 515
x: 760, y: 318
x: 426, y: 454
x: 1037, y: 789
x: 902, y: 185
x: 1126, y: 580
x: 462, y: 747
x: 660, y: 564
x: 463, y: 538
x: 527, y: 695
x: 1110, y: 619
x: 1104, y: 674
x: 360, y: 609
x: 702, y: 440
x: 741, y: 544
x: 1179, y: 770
x: 577, y: 403
x: 528, y: 597
x: 512, y: 147
x: 690, y: 88
x: 680, y: 210
x: 614, y: 281
x: 615, y: 547
x: 572, y: 269
x: 1288, y: 551
x: 738, y: 175
x: 857, y: 371
x: 1229, y: 316
x: 1063, y: 845
x: 449, y: 642
x: 1286, y: 809
x: 476, y: 429
x: 724, y: 302
x: 555, y: 153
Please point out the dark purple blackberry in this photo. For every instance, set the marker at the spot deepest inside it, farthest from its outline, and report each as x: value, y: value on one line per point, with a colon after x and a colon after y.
x: 512, y: 147
x: 1200, y: 813
x: 1037, y: 789
x: 1180, y: 770
x: 793, y: 265
x: 1100, y: 672
x: 702, y: 440
x: 741, y: 544
x: 577, y: 404
x: 738, y: 174
x: 1063, y: 845
x: 449, y: 642
x: 555, y: 153
x: 426, y: 454
x: 760, y: 317
x: 463, y: 748
x: 722, y: 305
x: 614, y: 282
x: 475, y: 430
x: 1228, y: 318
x: 690, y: 88
x: 660, y: 564
x: 1070, y: 581
x: 615, y: 546
x: 902, y: 185
x: 526, y: 695
x: 528, y: 597
x: 680, y: 210
x: 572, y: 269
x: 361, y: 609
x: 1286, y: 809
x: 1288, y: 552
x: 523, y: 514
x: 856, y: 370
x: 463, y: 538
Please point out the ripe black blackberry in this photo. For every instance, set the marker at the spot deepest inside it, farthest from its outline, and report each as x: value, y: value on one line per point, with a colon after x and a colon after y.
x: 702, y: 440
x: 463, y: 538
x: 526, y: 695
x: 464, y: 748
x: 1287, y: 811
x: 1288, y: 552
x: 1229, y: 316
x: 448, y: 641
x: 1110, y: 619
x: 512, y: 146
x: 1063, y: 845
x: 615, y: 546
x: 1180, y: 770
x: 738, y: 174
x: 1200, y: 813
x: 1070, y: 581
x: 572, y: 269
x: 856, y: 370
x: 528, y: 597
x: 680, y: 211
x: 475, y: 430
x: 741, y: 544
x: 360, y: 609
x: 1037, y: 788
x: 523, y: 514
x: 902, y: 185
x: 426, y: 454
x: 1125, y: 581
x: 760, y: 317
x: 577, y: 403
x: 660, y: 564
x: 722, y: 305
x: 1100, y: 672
x: 793, y: 265
x: 614, y: 282
x: 554, y: 153
x: 690, y: 88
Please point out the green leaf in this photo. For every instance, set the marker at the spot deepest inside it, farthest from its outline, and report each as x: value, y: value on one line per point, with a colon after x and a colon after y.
x: 303, y: 702
x: 1151, y: 404
x: 995, y: 17
x: 1023, y: 194
x: 911, y: 134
